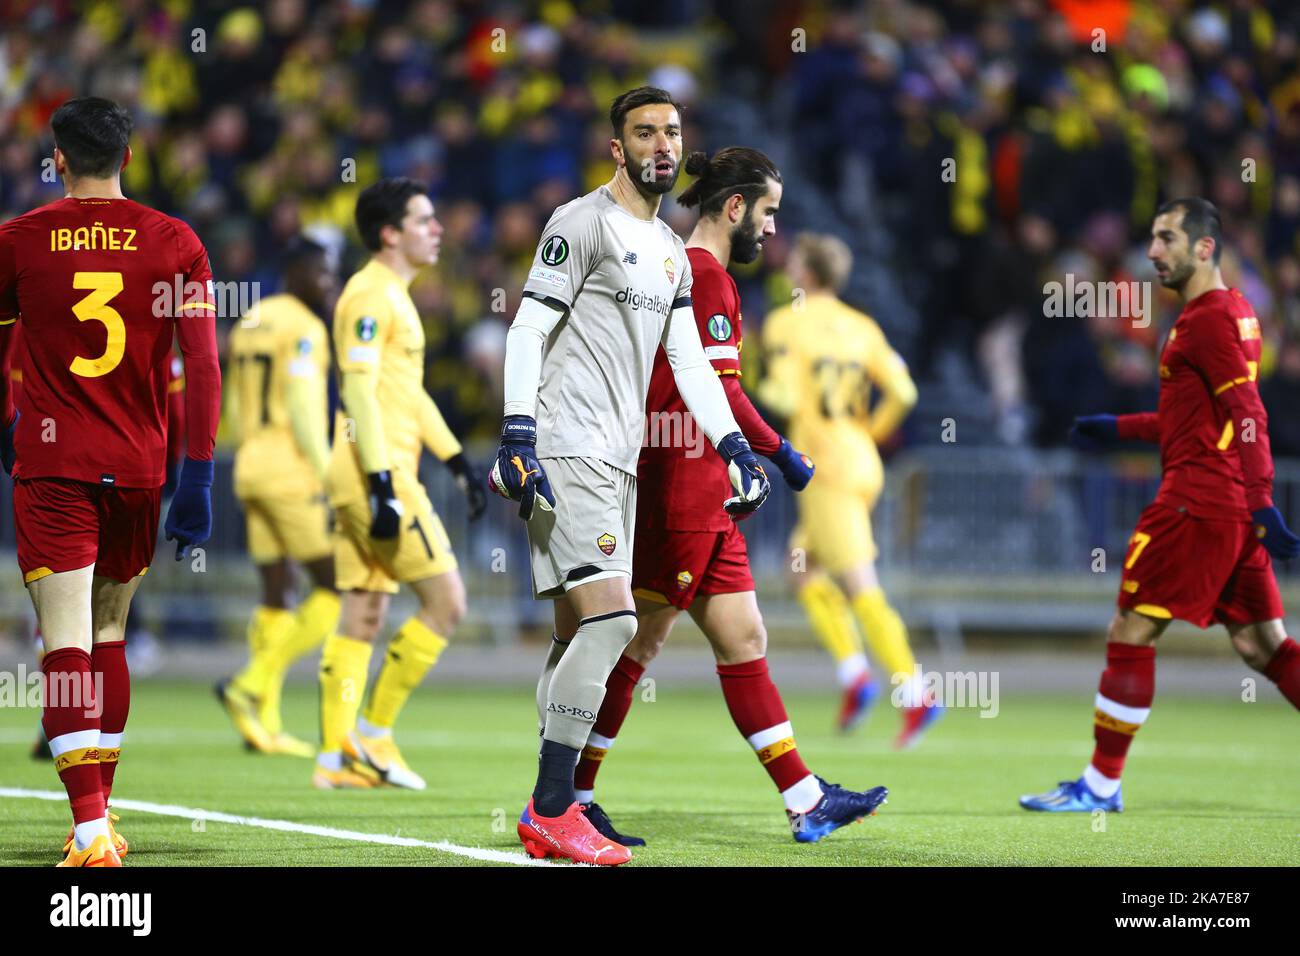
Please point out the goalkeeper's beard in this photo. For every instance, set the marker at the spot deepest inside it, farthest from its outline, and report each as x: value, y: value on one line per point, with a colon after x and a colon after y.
x: 656, y: 186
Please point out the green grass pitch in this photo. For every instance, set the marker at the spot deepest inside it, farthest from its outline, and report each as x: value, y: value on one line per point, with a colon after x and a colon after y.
x: 1210, y: 781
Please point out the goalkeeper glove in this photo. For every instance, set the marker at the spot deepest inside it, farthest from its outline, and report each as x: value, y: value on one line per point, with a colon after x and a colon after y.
x: 517, y: 474
x: 189, y: 519
x: 469, y: 482
x: 1274, y: 535
x: 7, y: 454
x: 385, y: 509
x: 746, y: 474
x: 1094, y: 432
x: 796, y: 467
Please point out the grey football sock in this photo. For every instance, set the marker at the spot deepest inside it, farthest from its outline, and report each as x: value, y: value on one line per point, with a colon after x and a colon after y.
x: 553, y: 655
x: 578, y: 684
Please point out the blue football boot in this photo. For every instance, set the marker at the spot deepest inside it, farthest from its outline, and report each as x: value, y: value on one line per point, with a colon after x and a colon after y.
x: 836, y: 808
x: 1072, y: 796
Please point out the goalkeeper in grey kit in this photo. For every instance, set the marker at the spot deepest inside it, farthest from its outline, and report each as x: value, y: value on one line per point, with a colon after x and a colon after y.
x: 610, y: 284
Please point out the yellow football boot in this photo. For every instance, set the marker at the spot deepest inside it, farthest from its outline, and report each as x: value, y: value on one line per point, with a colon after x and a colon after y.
x: 350, y: 777
x: 118, y: 841
x: 287, y: 743
x: 242, y: 709
x: 382, y: 756
x: 99, y: 853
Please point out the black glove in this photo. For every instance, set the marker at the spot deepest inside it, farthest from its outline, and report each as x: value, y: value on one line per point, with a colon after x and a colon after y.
x: 471, y: 483
x: 385, y: 509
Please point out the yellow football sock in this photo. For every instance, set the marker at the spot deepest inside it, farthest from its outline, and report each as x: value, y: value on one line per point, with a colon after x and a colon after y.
x: 885, y: 632
x: 412, y: 651
x: 831, y: 618
x: 315, y: 619
x: 266, y: 632
x: 344, y: 664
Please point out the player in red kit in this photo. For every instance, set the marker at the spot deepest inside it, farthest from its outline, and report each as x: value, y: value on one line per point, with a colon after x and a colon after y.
x: 1201, y: 551
x: 690, y: 556
x: 101, y: 287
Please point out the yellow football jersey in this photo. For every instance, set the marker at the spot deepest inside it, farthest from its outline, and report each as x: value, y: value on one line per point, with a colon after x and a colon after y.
x: 277, y: 399
x: 823, y: 359
x: 387, y: 414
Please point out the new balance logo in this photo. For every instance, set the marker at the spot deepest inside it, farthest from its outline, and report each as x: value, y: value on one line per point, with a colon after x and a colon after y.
x: 629, y: 258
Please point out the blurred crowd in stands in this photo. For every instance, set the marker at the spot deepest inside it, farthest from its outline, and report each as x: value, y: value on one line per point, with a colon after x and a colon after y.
x: 1067, y: 122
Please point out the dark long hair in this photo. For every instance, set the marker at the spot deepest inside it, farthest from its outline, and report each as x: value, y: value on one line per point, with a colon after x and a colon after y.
x: 736, y: 169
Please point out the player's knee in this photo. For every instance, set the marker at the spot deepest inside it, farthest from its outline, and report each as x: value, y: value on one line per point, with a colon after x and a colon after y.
x: 1248, y: 646
x: 446, y: 615
x: 613, y: 634
x: 747, y: 645
x: 1132, y: 629
x: 645, y: 646
x: 444, y: 609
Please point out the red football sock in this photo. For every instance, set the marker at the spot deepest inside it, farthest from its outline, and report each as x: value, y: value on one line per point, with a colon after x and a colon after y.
x: 109, y: 663
x: 760, y: 716
x: 1128, y: 685
x: 71, y: 724
x: 1283, y: 669
x: 619, y: 688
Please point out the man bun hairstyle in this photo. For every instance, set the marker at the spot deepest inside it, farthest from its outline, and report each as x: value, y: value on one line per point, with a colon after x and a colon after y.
x: 735, y: 169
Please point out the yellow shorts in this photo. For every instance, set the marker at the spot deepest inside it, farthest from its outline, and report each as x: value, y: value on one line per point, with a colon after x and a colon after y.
x: 287, y: 527
x: 421, y: 550
x: 834, y: 527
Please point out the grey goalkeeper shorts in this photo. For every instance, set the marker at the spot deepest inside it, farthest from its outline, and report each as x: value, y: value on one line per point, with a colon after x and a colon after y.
x: 589, y: 534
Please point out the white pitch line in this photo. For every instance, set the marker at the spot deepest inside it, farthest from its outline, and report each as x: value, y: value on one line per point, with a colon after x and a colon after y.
x: 191, y: 813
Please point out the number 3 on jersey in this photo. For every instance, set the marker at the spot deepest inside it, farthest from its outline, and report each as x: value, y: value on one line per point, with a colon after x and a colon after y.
x: 103, y: 286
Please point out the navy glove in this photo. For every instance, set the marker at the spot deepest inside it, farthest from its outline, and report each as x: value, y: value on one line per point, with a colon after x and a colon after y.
x: 1273, y: 533
x: 796, y: 467
x: 468, y: 480
x: 385, y: 509
x: 1094, y: 432
x: 189, y: 519
x: 746, y: 474
x: 517, y: 474
x: 7, y: 443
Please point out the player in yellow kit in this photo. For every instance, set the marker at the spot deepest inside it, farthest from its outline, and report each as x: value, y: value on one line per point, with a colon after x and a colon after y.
x: 276, y: 395
x: 388, y: 531
x: 824, y: 358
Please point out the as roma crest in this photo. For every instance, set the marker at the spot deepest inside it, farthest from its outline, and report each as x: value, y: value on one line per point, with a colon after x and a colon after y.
x: 607, y: 543
x: 670, y: 269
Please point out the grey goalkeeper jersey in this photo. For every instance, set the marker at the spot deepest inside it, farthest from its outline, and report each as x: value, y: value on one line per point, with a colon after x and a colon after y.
x: 619, y: 278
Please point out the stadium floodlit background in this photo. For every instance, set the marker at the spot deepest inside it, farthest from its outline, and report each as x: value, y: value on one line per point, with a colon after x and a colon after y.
x: 255, y: 122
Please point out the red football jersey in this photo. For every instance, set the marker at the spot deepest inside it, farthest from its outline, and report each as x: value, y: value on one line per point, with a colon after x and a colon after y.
x: 99, y: 287
x: 1210, y: 422
x: 681, y: 481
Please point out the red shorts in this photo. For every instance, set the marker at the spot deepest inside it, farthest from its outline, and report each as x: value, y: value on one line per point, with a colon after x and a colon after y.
x: 1199, y: 570
x: 63, y: 525
x: 677, y: 565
